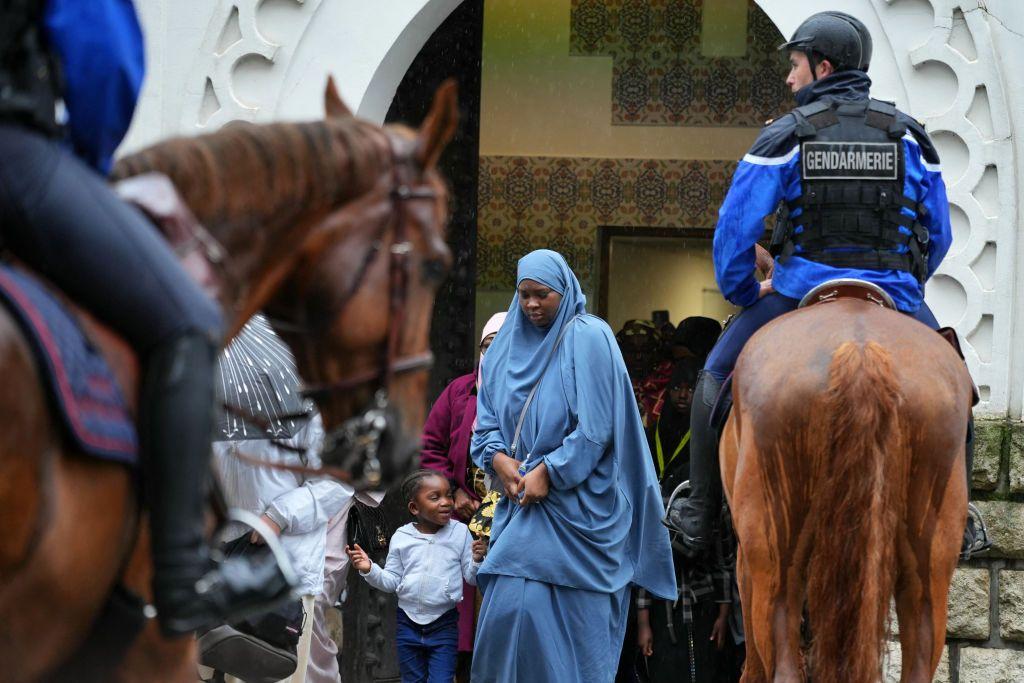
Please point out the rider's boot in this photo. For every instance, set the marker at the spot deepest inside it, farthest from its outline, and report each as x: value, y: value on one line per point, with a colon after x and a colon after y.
x: 694, y: 520
x: 176, y: 425
x: 975, y: 538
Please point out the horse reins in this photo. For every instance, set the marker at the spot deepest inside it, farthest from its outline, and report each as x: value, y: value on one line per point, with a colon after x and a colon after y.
x: 366, y: 430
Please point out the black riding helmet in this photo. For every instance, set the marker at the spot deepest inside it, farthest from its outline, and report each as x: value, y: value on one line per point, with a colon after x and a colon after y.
x: 828, y: 36
x: 866, y: 43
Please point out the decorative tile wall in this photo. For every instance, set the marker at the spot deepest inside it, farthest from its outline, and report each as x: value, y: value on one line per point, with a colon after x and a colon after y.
x: 660, y: 75
x: 558, y: 203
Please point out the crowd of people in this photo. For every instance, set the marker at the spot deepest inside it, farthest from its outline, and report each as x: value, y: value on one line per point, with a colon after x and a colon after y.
x: 698, y: 636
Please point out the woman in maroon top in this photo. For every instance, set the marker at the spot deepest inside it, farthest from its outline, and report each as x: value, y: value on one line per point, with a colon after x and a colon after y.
x: 446, y: 437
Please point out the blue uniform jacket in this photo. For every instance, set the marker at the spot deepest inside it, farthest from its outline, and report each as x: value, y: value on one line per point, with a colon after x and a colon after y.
x: 770, y: 172
x: 99, y: 45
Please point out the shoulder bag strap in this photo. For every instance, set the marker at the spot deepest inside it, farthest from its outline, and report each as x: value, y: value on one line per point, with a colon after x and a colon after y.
x: 533, y: 392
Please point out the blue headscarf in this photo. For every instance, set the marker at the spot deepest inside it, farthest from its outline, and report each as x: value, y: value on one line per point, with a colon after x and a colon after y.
x: 599, y: 528
x: 520, y: 351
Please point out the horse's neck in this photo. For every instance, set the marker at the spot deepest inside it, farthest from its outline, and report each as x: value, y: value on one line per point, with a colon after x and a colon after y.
x: 261, y: 254
x: 255, y: 265
x: 258, y: 266
x: 260, y: 190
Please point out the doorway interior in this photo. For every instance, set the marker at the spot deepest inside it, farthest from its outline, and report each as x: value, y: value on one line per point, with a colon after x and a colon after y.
x: 648, y: 269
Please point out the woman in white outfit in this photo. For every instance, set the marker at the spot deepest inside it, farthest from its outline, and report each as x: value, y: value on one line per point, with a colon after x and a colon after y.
x: 299, y: 509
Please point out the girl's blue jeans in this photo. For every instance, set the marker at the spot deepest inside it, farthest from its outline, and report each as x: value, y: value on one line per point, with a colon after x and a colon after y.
x: 427, y: 653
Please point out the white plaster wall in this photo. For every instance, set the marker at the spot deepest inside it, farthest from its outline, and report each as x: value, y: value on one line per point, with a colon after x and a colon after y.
x: 954, y: 64
x: 214, y: 61
x: 1007, y: 26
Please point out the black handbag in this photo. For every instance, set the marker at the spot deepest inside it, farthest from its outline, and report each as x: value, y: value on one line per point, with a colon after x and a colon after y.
x: 367, y: 528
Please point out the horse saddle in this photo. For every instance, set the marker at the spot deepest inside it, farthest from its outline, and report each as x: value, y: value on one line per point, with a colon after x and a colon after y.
x: 155, y: 195
x: 834, y: 290
x: 82, y: 388
x: 848, y: 288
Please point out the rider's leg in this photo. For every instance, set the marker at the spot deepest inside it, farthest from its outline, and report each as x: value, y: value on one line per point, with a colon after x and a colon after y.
x: 696, y: 518
x: 971, y: 543
x: 62, y: 219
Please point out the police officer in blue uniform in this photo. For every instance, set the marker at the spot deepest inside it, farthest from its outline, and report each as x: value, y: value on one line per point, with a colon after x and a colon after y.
x: 863, y: 197
x: 70, y: 73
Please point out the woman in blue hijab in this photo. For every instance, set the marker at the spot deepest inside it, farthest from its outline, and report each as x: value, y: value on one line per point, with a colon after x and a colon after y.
x: 581, y: 522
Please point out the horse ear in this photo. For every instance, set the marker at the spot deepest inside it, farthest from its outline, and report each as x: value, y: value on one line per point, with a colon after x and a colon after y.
x: 333, y: 105
x: 439, y: 126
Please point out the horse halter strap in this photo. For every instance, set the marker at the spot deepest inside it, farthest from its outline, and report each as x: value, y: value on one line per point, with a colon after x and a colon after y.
x: 398, y: 275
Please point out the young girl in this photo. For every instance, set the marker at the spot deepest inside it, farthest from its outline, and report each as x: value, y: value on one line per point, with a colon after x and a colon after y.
x: 426, y: 564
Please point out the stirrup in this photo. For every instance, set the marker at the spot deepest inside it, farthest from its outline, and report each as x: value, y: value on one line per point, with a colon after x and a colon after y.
x: 216, y: 597
x: 284, y: 563
x: 680, y: 491
x: 690, y: 546
x: 981, y: 541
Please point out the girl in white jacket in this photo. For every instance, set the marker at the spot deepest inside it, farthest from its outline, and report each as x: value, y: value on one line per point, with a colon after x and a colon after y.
x: 427, y: 561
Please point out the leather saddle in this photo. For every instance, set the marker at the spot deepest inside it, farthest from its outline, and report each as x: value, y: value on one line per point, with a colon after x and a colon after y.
x: 86, y: 368
x: 155, y: 195
x: 848, y: 288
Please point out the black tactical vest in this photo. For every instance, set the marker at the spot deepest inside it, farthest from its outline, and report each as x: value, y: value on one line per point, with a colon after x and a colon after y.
x: 28, y: 72
x: 852, y: 173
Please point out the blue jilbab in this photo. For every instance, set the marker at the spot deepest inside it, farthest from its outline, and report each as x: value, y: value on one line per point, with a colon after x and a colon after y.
x: 557, y: 577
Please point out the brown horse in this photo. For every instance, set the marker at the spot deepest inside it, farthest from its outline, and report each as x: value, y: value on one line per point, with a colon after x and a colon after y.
x: 335, y: 226
x: 846, y: 484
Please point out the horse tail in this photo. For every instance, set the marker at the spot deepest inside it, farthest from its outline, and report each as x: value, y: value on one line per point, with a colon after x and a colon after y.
x: 851, y: 566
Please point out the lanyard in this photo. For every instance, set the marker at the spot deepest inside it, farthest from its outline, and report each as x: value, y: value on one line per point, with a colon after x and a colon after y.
x: 661, y: 455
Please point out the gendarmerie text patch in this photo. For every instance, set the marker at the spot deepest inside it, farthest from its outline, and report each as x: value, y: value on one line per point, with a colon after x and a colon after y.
x: 850, y: 160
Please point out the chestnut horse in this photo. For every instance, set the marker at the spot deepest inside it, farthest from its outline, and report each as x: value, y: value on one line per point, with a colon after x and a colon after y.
x: 337, y: 228
x: 843, y: 463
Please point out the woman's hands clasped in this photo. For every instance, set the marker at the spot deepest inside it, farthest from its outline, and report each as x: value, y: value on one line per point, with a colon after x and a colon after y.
x: 535, y: 485
x: 507, y: 470
x: 531, y: 488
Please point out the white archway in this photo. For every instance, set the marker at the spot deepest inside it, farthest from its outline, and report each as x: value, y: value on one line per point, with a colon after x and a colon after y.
x: 214, y: 61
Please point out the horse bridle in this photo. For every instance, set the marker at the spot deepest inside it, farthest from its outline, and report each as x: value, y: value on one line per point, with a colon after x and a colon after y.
x: 360, y: 437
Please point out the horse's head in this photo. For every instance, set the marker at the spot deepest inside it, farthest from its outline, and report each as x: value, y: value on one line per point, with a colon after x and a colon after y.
x: 356, y: 308
x: 335, y: 229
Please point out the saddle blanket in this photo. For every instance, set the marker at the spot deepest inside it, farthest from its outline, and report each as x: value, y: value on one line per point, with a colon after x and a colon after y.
x: 82, y: 388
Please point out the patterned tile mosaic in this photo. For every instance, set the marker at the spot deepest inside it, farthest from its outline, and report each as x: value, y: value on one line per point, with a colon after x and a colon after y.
x: 660, y: 76
x: 527, y: 203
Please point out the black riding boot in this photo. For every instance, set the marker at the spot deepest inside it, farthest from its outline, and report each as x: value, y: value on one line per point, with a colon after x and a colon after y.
x: 694, y: 520
x: 975, y: 533
x: 175, y: 429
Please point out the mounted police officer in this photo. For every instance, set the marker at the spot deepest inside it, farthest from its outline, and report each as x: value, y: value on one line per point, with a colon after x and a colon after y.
x: 70, y: 73
x: 863, y: 198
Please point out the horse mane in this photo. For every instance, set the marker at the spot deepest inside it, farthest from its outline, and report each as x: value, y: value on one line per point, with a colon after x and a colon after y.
x: 267, y: 176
